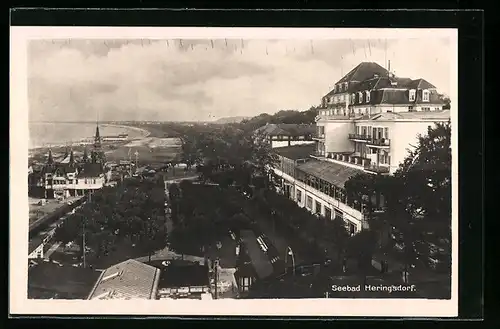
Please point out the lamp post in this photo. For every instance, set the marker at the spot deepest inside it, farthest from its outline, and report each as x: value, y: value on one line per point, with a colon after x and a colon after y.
x: 289, y: 252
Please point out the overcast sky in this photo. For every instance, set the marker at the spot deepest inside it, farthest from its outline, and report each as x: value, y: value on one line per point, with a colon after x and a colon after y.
x: 207, y: 79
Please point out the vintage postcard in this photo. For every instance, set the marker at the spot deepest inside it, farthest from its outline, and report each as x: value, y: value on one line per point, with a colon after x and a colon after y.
x: 234, y: 171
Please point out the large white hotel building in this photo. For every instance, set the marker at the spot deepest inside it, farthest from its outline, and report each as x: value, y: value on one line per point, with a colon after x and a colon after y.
x: 366, y: 124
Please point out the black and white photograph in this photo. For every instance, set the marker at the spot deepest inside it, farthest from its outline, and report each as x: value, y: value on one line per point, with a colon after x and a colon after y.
x: 254, y: 171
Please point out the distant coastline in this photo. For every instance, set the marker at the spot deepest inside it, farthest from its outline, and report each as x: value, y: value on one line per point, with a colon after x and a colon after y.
x: 62, y: 141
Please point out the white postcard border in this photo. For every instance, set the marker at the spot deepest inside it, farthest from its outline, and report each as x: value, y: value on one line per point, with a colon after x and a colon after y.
x: 19, y: 304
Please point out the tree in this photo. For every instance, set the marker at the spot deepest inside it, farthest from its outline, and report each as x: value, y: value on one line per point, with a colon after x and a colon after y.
x: 446, y: 100
x: 153, y: 235
x: 361, y: 247
x: 336, y: 233
x: 263, y: 157
x: 174, y: 195
x: 70, y: 230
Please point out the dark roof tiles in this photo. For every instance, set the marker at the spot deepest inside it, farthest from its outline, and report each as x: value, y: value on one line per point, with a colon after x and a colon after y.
x: 363, y: 71
x: 90, y: 170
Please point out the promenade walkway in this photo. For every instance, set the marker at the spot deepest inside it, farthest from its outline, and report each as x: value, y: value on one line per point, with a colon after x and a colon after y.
x: 51, y: 250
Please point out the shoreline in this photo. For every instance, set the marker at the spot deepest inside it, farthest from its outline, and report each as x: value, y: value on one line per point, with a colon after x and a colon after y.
x: 144, y: 134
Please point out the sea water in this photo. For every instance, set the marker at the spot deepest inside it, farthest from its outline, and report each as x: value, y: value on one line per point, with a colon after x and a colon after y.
x: 53, y: 134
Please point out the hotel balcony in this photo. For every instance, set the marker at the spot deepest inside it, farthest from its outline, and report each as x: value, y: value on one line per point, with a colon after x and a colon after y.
x: 349, y: 157
x: 377, y: 169
x: 354, y: 160
x: 359, y: 137
x: 379, y: 142
x: 317, y: 136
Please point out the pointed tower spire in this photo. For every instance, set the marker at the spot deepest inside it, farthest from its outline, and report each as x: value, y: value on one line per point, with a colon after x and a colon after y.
x: 71, y: 158
x: 97, y: 138
x: 66, y: 153
x: 50, y: 160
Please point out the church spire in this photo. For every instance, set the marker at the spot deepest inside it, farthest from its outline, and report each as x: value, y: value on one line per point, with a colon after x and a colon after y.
x: 71, y: 158
x: 50, y: 160
x: 97, y: 138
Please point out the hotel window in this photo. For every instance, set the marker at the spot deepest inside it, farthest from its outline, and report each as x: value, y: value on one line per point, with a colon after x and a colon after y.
x: 328, y: 213
x: 412, y: 95
x: 386, y: 133
x: 426, y: 109
x: 318, y: 207
x: 336, y: 88
x: 309, y: 202
x: 367, y: 96
x: 360, y: 111
x: 351, y: 228
x: 353, y: 98
x: 425, y: 95
x: 345, y: 85
x: 338, y: 214
x: 360, y: 97
x: 331, y: 99
x: 299, y: 196
x: 410, y: 109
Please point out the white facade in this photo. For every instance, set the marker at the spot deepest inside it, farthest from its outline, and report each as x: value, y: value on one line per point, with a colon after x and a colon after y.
x: 385, y: 141
x: 37, y: 253
x: 352, y: 217
x: 337, y: 128
x: 289, y: 143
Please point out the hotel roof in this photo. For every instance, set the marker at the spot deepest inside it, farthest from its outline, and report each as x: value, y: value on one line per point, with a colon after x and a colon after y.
x: 53, y: 280
x: 330, y: 172
x: 296, y: 152
x: 286, y: 129
x: 363, y: 71
x: 179, y: 276
x: 90, y: 170
x: 431, y: 115
x: 130, y: 279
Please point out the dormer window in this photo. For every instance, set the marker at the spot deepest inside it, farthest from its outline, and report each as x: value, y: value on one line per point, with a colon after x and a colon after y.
x: 425, y: 95
x: 331, y: 99
x: 367, y: 96
x: 336, y: 88
x: 345, y: 85
x: 353, y: 98
x: 360, y: 97
x: 412, y: 95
